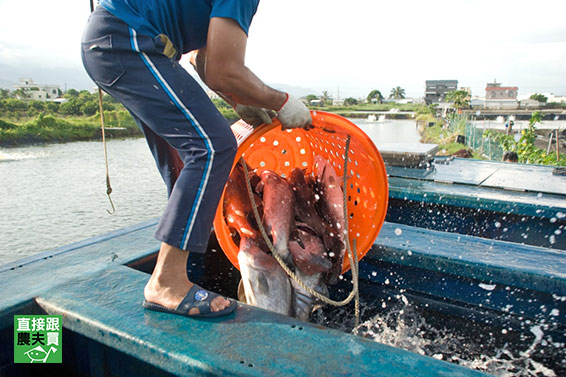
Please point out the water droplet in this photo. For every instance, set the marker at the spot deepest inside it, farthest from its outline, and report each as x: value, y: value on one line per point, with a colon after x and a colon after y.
x: 373, y: 273
x: 398, y: 231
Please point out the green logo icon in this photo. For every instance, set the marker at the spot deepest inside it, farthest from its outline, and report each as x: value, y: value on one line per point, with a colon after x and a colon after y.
x: 38, y: 339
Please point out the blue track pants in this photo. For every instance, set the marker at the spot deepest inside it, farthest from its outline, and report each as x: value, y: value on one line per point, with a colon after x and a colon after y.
x: 178, y: 119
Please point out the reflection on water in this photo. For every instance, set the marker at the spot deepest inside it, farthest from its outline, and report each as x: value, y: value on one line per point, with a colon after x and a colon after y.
x: 52, y: 195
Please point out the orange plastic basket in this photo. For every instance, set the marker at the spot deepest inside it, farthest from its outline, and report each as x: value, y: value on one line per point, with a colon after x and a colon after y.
x: 270, y: 148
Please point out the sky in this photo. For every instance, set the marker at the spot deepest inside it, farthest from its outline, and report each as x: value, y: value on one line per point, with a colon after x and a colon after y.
x: 347, y: 48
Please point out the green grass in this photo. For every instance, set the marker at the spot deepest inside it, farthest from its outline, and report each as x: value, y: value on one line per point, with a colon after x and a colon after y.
x: 48, y: 128
x: 445, y: 138
x: 348, y: 110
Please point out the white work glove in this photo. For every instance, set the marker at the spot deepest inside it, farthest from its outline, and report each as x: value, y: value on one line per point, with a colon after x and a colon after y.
x: 254, y: 116
x: 294, y: 114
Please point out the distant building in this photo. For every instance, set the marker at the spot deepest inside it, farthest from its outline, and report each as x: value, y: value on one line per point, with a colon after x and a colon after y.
x: 477, y: 102
x: 436, y: 90
x: 555, y: 98
x: 400, y: 101
x: 528, y: 103
x: 496, y: 91
x: 501, y: 97
x: 37, y: 92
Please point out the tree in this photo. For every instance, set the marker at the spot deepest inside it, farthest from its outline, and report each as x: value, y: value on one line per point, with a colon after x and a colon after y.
x: 397, y: 93
x: 21, y: 94
x: 325, y: 97
x: 71, y: 93
x: 375, y: 94
x: 539, y: 97
x: 220, y: 103
x: 311, y: 97
x: 460, y: 98
x: 4, y: 93
x: 89, y: 108
x: 71, y: 107
x: 350, y: 101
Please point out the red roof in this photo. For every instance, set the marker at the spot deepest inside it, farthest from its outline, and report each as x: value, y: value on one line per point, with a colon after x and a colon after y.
x: 501, y: 88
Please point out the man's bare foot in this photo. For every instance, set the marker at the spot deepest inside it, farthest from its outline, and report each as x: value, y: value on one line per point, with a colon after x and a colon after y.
x: 169, y: 284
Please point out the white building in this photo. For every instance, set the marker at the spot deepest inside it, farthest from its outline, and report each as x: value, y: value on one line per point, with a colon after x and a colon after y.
x: 37, y: 92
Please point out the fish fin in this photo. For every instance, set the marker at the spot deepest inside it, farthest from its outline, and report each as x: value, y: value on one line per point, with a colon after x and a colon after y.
x: 322, y: 263
x: 242, y: 292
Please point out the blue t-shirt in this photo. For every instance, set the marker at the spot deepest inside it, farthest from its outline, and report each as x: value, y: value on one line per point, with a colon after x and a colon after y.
x: 184, y: 22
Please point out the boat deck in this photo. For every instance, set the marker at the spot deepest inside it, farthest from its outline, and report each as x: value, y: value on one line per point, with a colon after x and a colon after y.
x: 496, y: 200
x: 91, y: 284
x: 100, y: 299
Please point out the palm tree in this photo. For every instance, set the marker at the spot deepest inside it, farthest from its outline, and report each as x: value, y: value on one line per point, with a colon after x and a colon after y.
x: 397, y: 93
x: 461, y: 98
x: 375, y: 94
x: 325, y: 97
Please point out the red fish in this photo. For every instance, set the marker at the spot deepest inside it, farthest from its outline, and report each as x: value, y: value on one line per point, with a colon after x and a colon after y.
x: 237, y: 206
x: 332, y: 208
x: 305, y: 205
x: 310, y: 264
x: 278, y: 210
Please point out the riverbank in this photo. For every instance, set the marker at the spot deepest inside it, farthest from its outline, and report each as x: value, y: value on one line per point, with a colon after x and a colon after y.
x: 26, y: 125
x: 460, y: 137
x: 44, y: 129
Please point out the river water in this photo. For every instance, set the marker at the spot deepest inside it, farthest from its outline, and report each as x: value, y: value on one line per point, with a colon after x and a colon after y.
x: 55, y: 194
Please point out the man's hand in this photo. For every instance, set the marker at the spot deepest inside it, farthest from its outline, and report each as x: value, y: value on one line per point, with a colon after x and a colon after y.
x: 254, y: 116
x: 294, y: 114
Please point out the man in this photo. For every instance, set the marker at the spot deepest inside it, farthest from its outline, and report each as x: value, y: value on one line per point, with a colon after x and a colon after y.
x: 130, y: 49
x: 510, y: 156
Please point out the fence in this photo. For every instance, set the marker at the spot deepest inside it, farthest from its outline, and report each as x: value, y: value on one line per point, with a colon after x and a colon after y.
x: 475, y: 139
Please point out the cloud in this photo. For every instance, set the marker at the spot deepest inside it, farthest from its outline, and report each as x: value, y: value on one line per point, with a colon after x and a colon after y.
x: 358, y: 46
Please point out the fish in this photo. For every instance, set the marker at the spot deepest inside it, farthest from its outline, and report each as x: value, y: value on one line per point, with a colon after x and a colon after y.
x: 278, y: 211
x: 264, y: 283
x: 303, y: 214
x: 305, y: 203
x: 310, y: 265
x: 237, y: 207
x: 332, y: 210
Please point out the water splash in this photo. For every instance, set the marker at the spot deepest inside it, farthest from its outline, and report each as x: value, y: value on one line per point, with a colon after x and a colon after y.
x: 404, y: 326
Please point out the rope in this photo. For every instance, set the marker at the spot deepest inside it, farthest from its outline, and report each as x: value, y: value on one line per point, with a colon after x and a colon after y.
x: 353, y: 260
x: 108, y: 186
